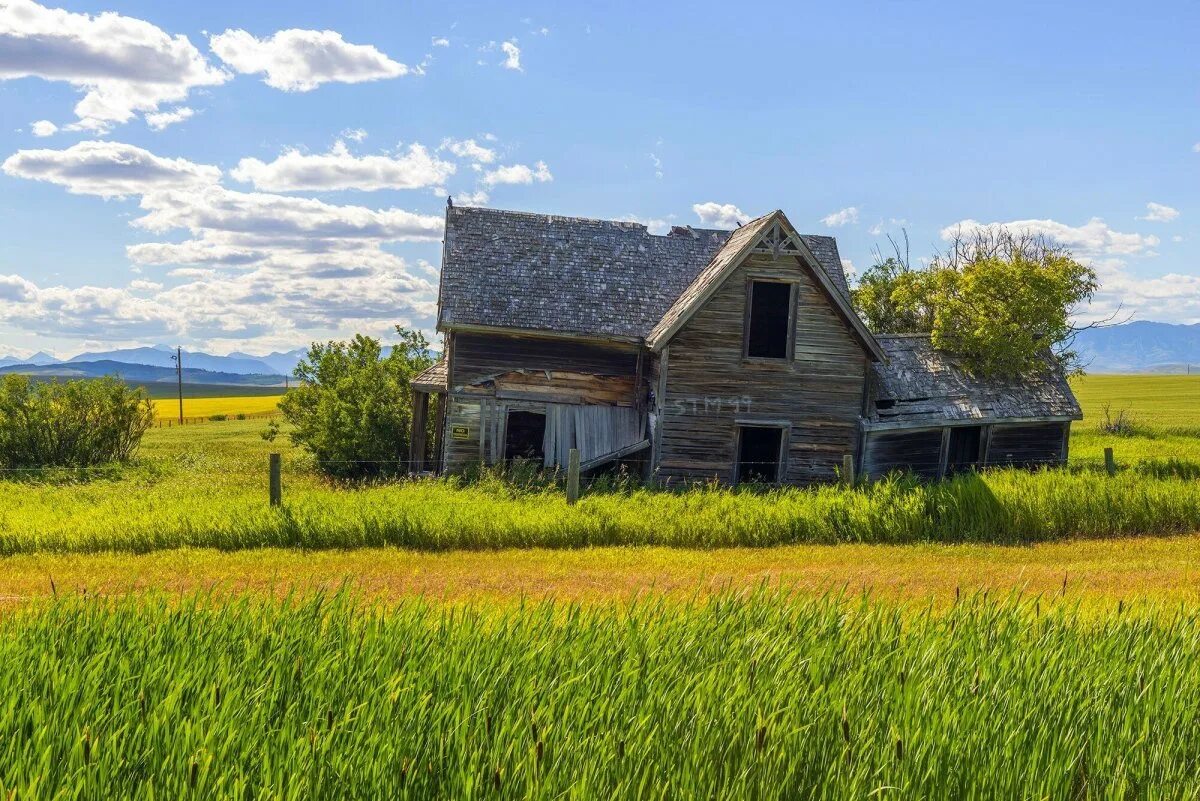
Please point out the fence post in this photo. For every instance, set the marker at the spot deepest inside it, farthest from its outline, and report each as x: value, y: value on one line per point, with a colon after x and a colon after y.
x: 276, y: 480
x: 572, y: 475
x: 848, y: 469
x: 1110, y: 464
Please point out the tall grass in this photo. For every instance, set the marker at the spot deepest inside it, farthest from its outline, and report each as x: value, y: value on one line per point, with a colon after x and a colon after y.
x: 1000, y: 506
x: 755, y: 697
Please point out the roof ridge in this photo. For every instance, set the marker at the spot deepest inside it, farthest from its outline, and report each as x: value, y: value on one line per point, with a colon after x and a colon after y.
x: 568, y: 218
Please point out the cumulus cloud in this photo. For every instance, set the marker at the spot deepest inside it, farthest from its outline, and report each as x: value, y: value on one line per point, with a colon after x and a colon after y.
x: 518, y: 174
x: 43, y: 128
x: 842, y: 217
x: 1094, y: 238
x: 161, y: 119
x: 253, y: 265
x: 340, y: 169
x: 512, y: 55
x: 109, y: 169
x: 440, y: 41
x: 469, y: 149
x: 123, y: 65
x: 478, y: 198
x: 301, y: 60
x: 1157, y: 212
x: 720, y: 215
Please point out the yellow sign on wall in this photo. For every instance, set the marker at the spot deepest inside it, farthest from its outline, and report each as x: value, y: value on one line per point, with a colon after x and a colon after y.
x: 460, y: 432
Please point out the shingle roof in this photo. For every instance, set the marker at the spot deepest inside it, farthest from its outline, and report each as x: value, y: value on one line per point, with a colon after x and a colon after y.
x: 514, y: 269
x: 433, y: 378
x: 920, y: 385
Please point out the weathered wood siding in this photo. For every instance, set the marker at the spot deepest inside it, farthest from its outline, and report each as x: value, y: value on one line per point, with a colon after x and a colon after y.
x: 479, y: 356
x: 1028, y: 445
x: 917, y: 452
x: 485, y: 381
x: 709, y: 386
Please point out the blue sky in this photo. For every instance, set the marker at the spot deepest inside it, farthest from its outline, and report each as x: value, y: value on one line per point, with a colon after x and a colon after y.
x: 255, y: 176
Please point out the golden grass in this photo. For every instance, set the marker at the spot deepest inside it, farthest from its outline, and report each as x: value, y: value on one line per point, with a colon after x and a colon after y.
x: 1096, y: 572
x: 166, y: 408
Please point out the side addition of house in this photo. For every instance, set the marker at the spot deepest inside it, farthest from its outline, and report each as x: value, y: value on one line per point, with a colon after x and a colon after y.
x: 697, y: 355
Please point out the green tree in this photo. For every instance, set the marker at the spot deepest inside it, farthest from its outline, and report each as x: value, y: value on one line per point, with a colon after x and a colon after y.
x: 353, y: 407
x: 1001, y: 302
x: 70, y: 424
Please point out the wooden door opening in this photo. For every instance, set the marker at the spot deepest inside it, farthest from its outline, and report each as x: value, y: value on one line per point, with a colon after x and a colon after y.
x: 760, y: 453
x: 963, y: 453
x: 524, y: 434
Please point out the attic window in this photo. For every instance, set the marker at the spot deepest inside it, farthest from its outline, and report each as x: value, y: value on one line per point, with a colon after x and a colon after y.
x: 768, y: 319
x: 885, y: 403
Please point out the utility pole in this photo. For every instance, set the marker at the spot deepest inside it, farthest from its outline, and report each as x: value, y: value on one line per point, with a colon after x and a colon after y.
x: 178, y: 358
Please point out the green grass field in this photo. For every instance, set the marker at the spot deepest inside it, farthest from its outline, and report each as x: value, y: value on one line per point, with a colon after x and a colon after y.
x: 205, y: 486
x: 742, y: 697
x: 166, y: 634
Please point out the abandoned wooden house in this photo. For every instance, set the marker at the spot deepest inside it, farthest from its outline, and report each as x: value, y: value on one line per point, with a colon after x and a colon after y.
x: 698, y: 355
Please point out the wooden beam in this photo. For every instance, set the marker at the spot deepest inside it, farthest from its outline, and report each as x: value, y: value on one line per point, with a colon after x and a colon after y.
x: 944, y: 454
x: 617, y: 454
x: 416, y: 440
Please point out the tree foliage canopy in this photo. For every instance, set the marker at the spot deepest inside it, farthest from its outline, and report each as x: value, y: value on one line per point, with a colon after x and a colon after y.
x: 353, y: 407
x: 70, y: 424
x: 998, y: 301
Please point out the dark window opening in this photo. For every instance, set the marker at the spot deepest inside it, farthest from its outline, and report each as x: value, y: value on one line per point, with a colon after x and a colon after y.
x: 885, y: 404
x: 758, y: 454
x: 524, y: 435
x: 770, y: 310
x: 964, y: 448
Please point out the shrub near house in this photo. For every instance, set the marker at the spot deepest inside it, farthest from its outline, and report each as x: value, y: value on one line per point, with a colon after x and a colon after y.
x: 72, y: 424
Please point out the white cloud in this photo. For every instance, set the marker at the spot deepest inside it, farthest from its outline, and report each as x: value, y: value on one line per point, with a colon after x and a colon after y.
x: 720, y: 215
x: 254, y: 266
x: 300, y: 60
x: 161, y: 119
x: 881, y: 226
x: 108, y: 169
x: 123, y: 65
x: 440, y: 41
x: 251, y: 219
x: 654, y: 225
x: 518, y: 174
x: 43, y: 128
x: 1094, y: 238
x: 1196, y: 147
x: 478, y: 198
x: 353, y: 134
x: 845, y: 216
x: 512, y: 55
x: 1177, y: 238
x: 340, y: 169
x: 658, y: 165
x: 1157, y: 212
x: 849, y: 269
x: 469, y: 149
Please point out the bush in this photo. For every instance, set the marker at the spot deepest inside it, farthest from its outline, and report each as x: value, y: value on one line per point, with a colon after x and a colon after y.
x: 218, y: 418
x: 72, y: 424
x: 353, y: 408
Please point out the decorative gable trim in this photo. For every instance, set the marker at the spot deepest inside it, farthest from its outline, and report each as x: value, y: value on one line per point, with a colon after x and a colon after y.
x: 771, y: 234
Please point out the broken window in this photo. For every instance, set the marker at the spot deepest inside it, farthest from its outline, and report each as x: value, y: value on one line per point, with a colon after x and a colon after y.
x: 769, y: 320
x: 524, y: 434
x: 963, y: 453
x: 760, y: 452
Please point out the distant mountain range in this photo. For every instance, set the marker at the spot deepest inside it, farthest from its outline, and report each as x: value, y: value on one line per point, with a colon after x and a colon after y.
x: 142, y: 373
x: 1141, y: 347
x: 278, y: 364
